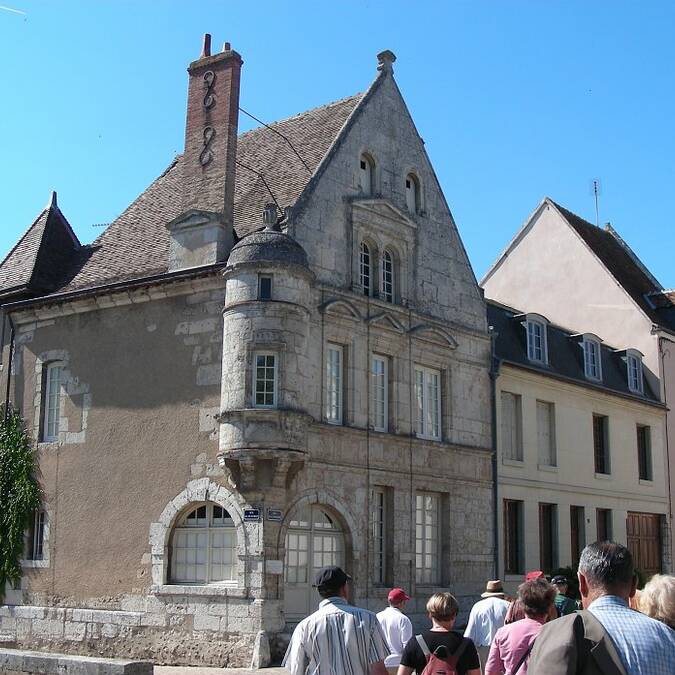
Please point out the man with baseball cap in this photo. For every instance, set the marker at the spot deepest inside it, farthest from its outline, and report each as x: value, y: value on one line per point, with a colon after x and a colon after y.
x: 563, y: 604
x: 486, y: 617
x: 338, y: 637
x: 396, y: 626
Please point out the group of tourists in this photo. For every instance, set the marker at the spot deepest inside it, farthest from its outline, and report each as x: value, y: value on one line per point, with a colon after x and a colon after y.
x: 541, y: 632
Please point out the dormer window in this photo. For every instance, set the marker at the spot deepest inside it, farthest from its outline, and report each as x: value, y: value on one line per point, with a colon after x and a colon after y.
x: 537, y: 350
x: 412, y: 193
x: 365, y: 269
x: 366, y: 174
x: 634, y: 371
x: 592, y: 358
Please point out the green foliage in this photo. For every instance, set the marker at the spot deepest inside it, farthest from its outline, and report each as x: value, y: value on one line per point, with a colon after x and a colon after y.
x: 20, y: 493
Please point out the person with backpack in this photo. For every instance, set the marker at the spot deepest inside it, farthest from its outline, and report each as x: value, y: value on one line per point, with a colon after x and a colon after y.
x: 440, y: 650
x: 512, y: 644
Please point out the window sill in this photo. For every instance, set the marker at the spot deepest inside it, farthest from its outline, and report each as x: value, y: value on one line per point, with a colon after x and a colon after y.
x: 513, y: 462
x: 645, y: 481
x: 35, y: 564
x: 437, y: 439
x: 48, y: 445
x: 603, y: 476
x: 548, y: 467
x: 207, y: 590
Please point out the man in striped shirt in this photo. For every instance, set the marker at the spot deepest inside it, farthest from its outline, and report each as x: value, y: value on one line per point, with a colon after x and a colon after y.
x: 338, y: 639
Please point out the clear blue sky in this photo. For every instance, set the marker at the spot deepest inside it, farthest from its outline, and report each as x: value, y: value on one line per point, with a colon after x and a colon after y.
x: 515, y: 100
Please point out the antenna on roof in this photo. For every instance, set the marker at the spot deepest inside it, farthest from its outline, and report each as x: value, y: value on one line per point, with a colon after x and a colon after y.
x: 595, y: 191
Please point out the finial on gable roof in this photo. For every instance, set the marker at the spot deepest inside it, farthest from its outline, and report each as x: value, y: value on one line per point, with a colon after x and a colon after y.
x: 385, y: 60
x: 52, y: 201
x: 270, y: 218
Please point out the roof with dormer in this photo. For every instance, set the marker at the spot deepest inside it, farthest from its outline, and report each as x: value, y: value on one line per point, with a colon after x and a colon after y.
x: 136, y: 244
x: 565, y: 354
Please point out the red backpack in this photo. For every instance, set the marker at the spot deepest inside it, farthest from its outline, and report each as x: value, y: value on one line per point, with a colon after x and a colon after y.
x: 437, y: 665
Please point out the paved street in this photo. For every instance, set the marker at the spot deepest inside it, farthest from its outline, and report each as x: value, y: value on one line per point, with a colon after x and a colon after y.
x: 183, y: 670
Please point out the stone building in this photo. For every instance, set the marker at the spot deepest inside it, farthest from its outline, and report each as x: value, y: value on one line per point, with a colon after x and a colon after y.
x: 275, y: 359
x: 581, y: 448
x: 587, y: 278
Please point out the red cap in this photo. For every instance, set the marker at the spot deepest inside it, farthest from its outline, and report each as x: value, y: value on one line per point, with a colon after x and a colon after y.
x: 535, y: 574
x: 397, y: 595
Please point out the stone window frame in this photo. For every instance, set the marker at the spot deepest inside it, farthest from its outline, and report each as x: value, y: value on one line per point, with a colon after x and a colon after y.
x: 386, y: 360
x: 372, y: 189
x: 341, y: 349
x: 254, y: 375
x: 383, y: 227
x: 198, y: 491
x: 30, y: 563
x: 412, y: 174
x: 70, y: 386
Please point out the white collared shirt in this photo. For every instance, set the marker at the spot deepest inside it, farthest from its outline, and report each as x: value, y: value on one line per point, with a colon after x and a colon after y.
x: 397, y: 629
x: 486, y: 618
x: 337, y: 639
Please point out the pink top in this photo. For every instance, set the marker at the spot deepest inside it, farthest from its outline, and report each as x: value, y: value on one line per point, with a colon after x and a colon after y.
x: 510, y: 643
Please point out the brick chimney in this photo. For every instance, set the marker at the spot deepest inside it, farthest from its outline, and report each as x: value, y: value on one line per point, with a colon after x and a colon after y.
x: 203, y: 234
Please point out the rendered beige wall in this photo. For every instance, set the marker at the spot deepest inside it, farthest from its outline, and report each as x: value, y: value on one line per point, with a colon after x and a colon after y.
x: 573, y: 481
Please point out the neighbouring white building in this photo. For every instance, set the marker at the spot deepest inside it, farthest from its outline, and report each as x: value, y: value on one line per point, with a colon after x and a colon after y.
x: 587, y: 282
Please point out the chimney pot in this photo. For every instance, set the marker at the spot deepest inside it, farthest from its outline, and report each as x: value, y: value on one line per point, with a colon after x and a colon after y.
x: 227, y: 46
x: 206, y: 46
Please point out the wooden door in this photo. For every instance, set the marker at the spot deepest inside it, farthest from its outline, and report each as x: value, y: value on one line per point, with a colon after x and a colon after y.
x: 644, y: 541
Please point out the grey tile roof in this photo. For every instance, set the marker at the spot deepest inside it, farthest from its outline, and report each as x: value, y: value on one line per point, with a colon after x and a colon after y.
x: 565, y: 355
x: 41, y: 258
x: 136, y: 244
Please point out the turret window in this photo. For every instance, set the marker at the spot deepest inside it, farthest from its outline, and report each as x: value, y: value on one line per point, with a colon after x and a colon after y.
x: 265, y: 380
x: 264, y: 287
x: 387, y: 286
x: 365, y: 269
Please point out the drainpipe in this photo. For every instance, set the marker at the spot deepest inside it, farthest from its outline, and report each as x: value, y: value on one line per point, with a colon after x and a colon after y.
x: 494, y: 372
x: 9, y: 363
x: 662, y: 354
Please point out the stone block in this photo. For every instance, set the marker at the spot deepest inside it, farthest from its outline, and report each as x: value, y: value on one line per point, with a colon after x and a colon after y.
x: 206, y: 622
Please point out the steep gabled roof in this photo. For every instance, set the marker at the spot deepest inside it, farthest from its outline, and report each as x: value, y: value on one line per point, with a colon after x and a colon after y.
x: 136, y: 244
x: 39, y: 260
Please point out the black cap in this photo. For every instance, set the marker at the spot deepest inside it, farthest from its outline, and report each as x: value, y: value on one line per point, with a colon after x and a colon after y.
x: 559, y: 580
x: 331, y: 577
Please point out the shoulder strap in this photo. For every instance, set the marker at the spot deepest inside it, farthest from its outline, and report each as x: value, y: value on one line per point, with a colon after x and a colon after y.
x: 523, y: 658
x: 454, y: 659
x: 423, y: 646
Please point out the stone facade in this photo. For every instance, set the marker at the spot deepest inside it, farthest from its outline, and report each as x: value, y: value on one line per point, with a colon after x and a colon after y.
x: 160, y: 396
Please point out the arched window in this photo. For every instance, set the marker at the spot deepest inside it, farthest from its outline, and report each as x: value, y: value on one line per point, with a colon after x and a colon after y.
x: 365, y: 269
x: 366, y: 174
x: 412, y: 193
x: 387, y: 281
x: 204, y: 546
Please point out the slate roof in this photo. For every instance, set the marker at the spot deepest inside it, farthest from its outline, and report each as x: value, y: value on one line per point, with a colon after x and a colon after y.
x: 136, y: 244
x: 35, y: 263
x: 564, y: 354
x: 623, y: 264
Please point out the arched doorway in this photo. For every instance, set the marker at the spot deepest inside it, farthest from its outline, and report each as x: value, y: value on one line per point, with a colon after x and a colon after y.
x: 314, y: 539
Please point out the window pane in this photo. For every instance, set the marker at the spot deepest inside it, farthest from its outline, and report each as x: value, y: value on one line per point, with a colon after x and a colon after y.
x: 511, y: 426
x: 265, y: 385
x: 546, y: 433
x: 387, y: 277
x: 379, y: 392
x: 334, y: 385
x: 364, y: 269
x: 426, y: 538
x: 52, y: 401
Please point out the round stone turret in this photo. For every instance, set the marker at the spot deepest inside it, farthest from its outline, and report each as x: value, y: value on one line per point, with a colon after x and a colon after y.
x: 266, y: 387
x: 270, y: 245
